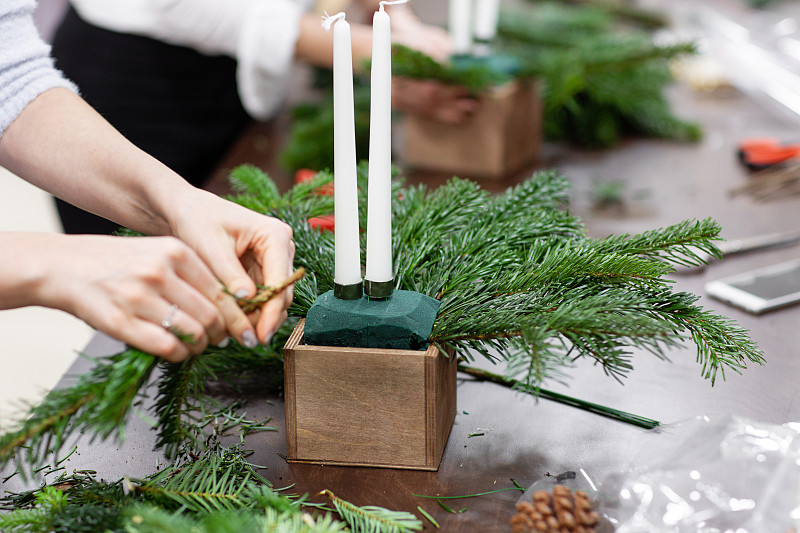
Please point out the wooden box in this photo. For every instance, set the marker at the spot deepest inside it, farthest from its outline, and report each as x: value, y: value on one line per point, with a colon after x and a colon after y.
x: 367, y: 406
x: 503, y: 136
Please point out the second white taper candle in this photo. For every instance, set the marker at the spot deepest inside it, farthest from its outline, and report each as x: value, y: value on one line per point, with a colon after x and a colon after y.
x: 379, y: 201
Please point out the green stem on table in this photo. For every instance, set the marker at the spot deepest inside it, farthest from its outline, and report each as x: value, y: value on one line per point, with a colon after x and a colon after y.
x: 608, y: 412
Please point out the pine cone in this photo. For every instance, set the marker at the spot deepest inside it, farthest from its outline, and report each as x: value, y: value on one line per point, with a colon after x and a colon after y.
x: 563, y: 512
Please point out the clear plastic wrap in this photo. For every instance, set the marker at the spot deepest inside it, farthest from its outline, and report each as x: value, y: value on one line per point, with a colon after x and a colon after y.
x: 701, y: 476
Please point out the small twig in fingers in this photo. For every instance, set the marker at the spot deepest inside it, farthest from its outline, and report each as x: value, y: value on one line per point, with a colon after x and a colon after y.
x: 266, y: 294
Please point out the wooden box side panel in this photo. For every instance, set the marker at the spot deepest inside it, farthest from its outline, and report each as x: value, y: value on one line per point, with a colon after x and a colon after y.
x: 289, y: 389
x: 523, y: 128
x: 446, y: 369
x: 359, y: 409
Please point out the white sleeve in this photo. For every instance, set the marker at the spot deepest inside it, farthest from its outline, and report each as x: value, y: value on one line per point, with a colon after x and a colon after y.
x: 265, y: 54
x: 259, y: 34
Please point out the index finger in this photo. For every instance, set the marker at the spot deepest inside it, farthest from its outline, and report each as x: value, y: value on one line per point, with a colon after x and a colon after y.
x: 276, y: 260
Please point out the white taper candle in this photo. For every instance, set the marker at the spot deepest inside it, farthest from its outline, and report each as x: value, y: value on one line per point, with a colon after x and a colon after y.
x: 379, y: 201
x: 460, y: 27
x: 347, y: 252
x: 486, y: 14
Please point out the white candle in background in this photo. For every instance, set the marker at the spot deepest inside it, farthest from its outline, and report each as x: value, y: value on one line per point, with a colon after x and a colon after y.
x: 460, y: 26
x: 379, y: 201
x: 347, y: 253
x: 486, y: 14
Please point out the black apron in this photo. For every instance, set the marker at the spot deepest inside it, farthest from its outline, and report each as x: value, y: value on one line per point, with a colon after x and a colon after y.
x: 178, y: 105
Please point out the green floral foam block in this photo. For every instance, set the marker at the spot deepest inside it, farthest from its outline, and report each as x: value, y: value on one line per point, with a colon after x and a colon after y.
x: 401, y: 322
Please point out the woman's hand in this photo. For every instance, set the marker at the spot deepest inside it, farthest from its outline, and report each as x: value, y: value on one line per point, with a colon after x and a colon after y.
x: 153, y: 293
x: 124, y: 286
x: 242, y: 248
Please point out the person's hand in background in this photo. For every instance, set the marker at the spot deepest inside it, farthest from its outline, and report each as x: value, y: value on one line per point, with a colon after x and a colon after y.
x: 409, y: 30
x: 433, y: 100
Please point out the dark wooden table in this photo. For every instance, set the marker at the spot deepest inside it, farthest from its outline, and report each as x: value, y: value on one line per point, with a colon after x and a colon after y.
x: 525, y: 439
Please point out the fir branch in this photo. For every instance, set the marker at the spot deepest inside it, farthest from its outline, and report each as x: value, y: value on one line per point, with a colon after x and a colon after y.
x: 625, y: 12
x: 202, y: 486
x: 370, y: 519
x: 49, y: 502
x: 410, y: 63
x: 254, y: 188
x: 601, y: 83
x: 174, y: 388
x: 150, y: 519
x: 303, y: 198
x: 98, y: 404
x: 677, y: 243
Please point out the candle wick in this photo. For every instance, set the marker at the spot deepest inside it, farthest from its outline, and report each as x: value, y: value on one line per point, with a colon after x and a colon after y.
x: 328, y: 20
x: 391, y: 3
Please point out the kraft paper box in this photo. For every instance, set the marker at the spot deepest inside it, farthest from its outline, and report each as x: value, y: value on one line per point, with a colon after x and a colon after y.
x: 502, y: 137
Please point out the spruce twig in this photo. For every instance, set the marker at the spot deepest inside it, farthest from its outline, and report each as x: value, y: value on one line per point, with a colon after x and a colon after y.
x: 266, y: 294
x: 97, y: 404
x: 370, y: 519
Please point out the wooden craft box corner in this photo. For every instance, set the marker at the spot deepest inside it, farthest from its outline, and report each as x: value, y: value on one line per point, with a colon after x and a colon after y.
x: 367, y: 406
x: 502, y: 137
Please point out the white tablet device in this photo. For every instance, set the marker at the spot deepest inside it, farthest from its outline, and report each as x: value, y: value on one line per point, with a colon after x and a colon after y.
x: 760, y: 290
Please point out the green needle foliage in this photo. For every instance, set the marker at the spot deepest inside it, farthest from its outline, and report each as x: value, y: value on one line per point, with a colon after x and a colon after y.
x: 601, y: 83
x: 98, y: 405
x: 519, y: 283
x: 762, y: 3
x: 364, y: 519
x: 151, y: 519
x: 309, y: 143
x: 624, y: 11
x: 604, y: 79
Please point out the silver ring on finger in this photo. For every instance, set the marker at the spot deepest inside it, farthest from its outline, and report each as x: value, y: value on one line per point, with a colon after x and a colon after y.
x: 168, y: 321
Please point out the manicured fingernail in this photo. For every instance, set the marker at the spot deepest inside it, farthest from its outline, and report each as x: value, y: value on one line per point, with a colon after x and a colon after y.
x: 249, y: 339
x: 268, y: 337
x: 224, y: 342
x: 242, y: 293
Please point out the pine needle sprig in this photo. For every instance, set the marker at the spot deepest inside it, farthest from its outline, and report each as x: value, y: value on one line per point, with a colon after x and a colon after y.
x: 175, y: 388
x: 410, y: 63
x: 625, y: 12
x: 601, y: 82
x: 77, y: 503
x: 98, y: 404
x: 152, y: 519
x: 256, y: 191
x: 214, y: 482
x: 253, y: 189
x: 678, y: 243
x: 371, y: 519
x: 37, y: 517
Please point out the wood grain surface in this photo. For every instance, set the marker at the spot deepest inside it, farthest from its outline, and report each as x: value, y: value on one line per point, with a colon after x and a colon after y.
x: 367, y: 406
